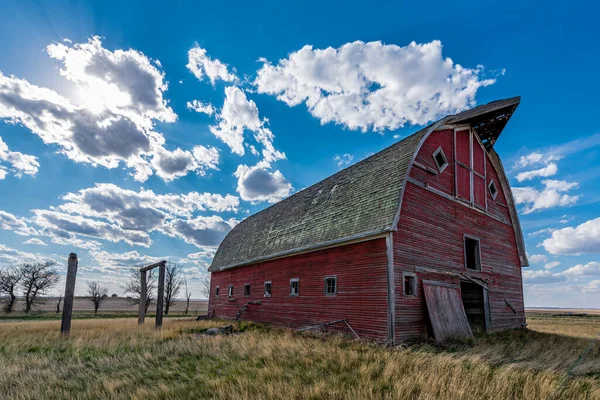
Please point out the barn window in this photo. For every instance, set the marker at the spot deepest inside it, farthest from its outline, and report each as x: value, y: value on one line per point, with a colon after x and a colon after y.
x: 330, y: 285
x: 217, y: 291
x: 409, y: 280
x: 440, y: 159
x: 230, y: 291
x: 472, y: 254
x: 268, y: 289
x: 247, y: 289
x: 493, y: 190
x: 294, y: 287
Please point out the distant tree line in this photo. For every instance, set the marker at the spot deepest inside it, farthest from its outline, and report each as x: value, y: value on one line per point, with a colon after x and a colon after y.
x: 32, y: 281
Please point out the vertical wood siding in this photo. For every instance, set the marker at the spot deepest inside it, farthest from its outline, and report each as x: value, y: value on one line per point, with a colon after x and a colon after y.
x: 430, y: 236
x: 361, y: 297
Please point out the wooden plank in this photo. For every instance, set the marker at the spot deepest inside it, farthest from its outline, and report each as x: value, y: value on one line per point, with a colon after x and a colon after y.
x: 160, y: 296
x: 142, y: 310
x: 446, y: 312
x: 151, y: 266
x: 65, y: 326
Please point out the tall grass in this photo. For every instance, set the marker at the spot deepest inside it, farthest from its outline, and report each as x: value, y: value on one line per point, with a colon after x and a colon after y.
x: 117, y: 359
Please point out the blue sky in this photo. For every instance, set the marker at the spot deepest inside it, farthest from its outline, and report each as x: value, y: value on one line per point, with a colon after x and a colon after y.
x: 143, y: 130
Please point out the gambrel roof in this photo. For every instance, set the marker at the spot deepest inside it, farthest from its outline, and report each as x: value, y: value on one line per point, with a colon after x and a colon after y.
x: 360, y: 201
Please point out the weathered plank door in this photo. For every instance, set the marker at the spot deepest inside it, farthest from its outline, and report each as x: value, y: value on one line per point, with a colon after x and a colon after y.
x: 446, y: 311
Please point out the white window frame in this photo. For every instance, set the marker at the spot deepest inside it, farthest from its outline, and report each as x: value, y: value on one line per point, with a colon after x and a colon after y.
x: 414, y: 284
x: 334, y: 277
x: 265, y: 288
x: 492, y: 183
x: 297, y: 280
x: 230, y: 291
x: 445, y: 165
x: 479, y: 267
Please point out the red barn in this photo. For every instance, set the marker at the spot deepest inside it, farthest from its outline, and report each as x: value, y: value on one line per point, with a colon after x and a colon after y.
x: 422, y: 237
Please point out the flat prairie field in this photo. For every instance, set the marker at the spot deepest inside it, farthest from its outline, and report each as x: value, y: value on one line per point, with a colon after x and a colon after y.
x: 555, y: 358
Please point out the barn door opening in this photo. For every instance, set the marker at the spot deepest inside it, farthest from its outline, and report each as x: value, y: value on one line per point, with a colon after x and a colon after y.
x: 474, y: 298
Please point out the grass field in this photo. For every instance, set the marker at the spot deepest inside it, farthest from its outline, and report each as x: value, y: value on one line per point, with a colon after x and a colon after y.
x: 114, y: 358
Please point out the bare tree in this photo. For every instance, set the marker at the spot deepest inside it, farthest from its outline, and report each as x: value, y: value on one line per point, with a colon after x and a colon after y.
x: 9, y: 284
x: 36, y: 280
x: 173, y: 283
x: 97, y: 293
x: 58, y: 304
x: 133, y: 287
x: 187, y: 297
x: 206, y: 287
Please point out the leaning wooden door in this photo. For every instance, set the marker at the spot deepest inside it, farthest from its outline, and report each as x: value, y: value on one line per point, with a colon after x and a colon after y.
x: 446, y: 311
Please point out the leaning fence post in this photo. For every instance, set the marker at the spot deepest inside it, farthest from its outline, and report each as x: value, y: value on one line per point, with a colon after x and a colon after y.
x: 160, y: 297
x: 65, y: 326
x: 142, y: 312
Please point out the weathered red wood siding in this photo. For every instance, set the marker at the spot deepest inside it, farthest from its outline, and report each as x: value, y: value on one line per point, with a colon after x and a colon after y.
x: 361, y: 270
x: 430, y: 235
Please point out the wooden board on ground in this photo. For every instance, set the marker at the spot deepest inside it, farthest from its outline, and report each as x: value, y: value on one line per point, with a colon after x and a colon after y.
x: 446, y: 311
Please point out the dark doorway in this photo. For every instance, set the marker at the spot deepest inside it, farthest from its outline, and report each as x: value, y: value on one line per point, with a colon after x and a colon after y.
x: 473, y: 298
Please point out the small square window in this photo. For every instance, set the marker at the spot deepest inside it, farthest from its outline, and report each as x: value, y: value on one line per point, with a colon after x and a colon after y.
x: 230, y: 291
x: 268, y: 289
x: 409, y: 283
x: 247, y: 289
x: 493, y: 190
x: 294, y: 287
x: 472, y: 254
x: 217, y: 291
x: 440, y: 159
x: 330, y: 285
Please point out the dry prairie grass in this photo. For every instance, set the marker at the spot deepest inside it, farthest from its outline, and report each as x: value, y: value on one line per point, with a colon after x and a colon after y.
x: 116, y: 359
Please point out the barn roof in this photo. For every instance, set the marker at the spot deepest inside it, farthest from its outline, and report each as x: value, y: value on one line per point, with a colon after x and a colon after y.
x: 360, y: 201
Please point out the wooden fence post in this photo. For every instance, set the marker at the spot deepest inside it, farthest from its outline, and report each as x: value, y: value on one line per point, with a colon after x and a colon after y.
x: 160, y: 297
x: 142, y: 312
x: 65, y: 326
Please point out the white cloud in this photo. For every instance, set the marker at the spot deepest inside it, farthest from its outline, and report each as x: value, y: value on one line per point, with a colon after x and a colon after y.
x: 125, y: 81
x: 21, y: 163
x: 78, y: 225
x: 372, y: 85
x: 12, y: 256
x: 591, y: 287
x: 203, y: 232
x: 201, y: 65
x: 552, y: 264
x: 590, y: 269
x: 198, y: 106
x: 536, y: 258
x: 584, y: 238
x: 551, y: 196
x: 344, y: 159
x: 542, y: 231
x: 554, y: 153
x: 35, y: 241
x: 109, y: 118
x: 549, y: 170
x: 257, y: 183
x: 238, y: 114
x: 128, y: 259
x: 15, y: 224
x: 537, y: 158
x: 111, y: 213
x: 542, y: 277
